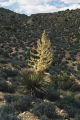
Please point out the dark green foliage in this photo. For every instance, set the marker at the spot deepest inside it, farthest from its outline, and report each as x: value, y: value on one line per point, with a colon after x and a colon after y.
x: 11, y: 98
x: 9, y: 117
x: 5, y: 87
x: 78, y: 66
x: 10, y: 72
x: 8, y: 109
x: 47, y: 109
x: 52, y: 94
x: 77, y: 117
x: 32, y: 80
x: 44, y: 117
x: 70, y: 105
x: 22, y: 104
x: 62, y: 82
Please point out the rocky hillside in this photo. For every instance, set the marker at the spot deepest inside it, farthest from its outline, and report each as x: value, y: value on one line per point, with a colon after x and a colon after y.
x: 18, y: 33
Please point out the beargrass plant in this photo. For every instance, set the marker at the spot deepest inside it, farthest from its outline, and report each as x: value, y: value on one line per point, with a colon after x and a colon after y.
x: 33, y: 81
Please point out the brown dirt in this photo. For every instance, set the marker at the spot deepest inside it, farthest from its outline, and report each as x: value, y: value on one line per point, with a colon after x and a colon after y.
x: 28, y: 116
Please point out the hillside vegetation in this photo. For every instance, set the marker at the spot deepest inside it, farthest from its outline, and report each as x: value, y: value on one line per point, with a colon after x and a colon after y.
x: 61, y: 95
x: 19, y: 32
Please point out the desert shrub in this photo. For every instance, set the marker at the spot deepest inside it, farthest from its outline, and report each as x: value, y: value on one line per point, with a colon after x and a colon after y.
x: 7, y: 109
x: 9, y: 117
x: 22, y: 104
x: 78, y: 76
x: 32, y: 80
x: 47, y: 109
x: 5, y: 87
x: 52, y: 94
x: 11, y: 88
x: 11, y: 98
x: 78, y: 66
x: 70, y: 105
x: 10, y: 72
x: 77, y: 117
x: 62, y: 82
x: 44, y: 117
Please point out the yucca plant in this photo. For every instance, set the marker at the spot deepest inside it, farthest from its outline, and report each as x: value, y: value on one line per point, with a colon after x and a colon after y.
x: 40, y: 59
x: 41, y: 56
x: 32, y: 81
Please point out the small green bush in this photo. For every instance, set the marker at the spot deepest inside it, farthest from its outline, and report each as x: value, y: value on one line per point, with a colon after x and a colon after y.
x: 11, y: 98
x: 7, y: 88
x: 22, y: 104
x: 9, y: 117
x: 62, y: 82
x: 3, y: 85
x: 78, y: 66
x: 46, y: 109
x: 69, y: 104
x: 77, y: 117
x: 44, y: 117
x: 32, y: 80
x: 52, y: 94
x: 7, y: 109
